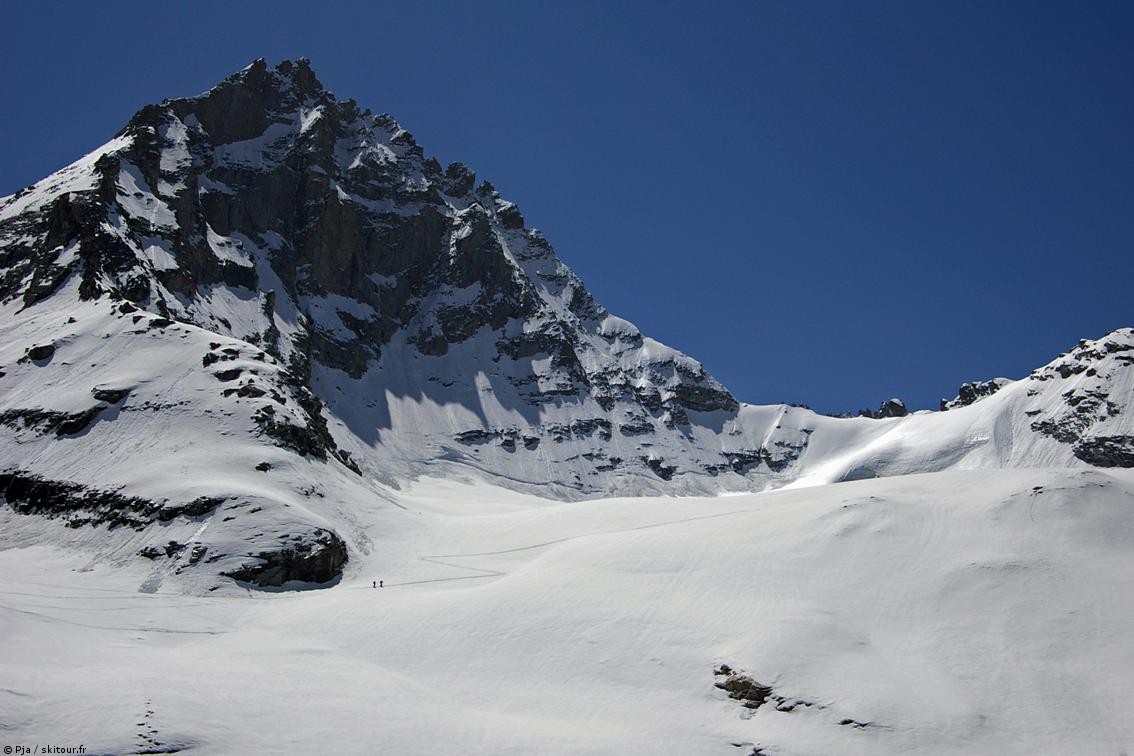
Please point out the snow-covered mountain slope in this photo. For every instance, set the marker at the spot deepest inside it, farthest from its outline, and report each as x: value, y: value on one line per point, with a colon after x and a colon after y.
x: 255, y: 310
x: 978, y: 612
x: 170, y: 442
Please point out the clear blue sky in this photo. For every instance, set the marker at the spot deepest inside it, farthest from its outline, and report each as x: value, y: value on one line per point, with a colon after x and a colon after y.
x: 824, y: 202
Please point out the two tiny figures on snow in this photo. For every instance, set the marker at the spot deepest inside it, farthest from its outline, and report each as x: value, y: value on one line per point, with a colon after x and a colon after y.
x: 378, y: 584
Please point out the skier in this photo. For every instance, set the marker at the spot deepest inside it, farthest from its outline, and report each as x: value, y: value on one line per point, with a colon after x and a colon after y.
x: 380, y: 584
x: 375, y: 584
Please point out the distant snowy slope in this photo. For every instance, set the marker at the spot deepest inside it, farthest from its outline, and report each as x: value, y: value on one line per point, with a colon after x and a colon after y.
x: 1075, y: 411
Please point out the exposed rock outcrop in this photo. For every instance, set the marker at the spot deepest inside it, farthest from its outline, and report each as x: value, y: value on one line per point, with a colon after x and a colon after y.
x: 77, y: 504
x: 1106, y: 451
x: 892, y: 408
x: 311, y: 558
x: 972, y: 392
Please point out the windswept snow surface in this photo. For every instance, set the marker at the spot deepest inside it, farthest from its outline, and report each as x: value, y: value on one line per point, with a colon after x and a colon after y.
x: 975, y: 612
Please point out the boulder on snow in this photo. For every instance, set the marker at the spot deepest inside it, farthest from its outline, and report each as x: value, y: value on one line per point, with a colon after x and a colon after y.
x: 200, y: 506
x: 739, y: 687
x: 109, y: 395
x: 39, y: 352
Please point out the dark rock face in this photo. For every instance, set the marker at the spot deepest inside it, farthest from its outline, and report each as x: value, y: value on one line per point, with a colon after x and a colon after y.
x: 78, y: 505
x: 1087, y: 355
x: 173, y: 549
x: 41, y: 352
x: 46, y: 421
x: 638, y: 426
x: 1066, y: 429
x: 312, y: 439
x: 889, y: 408
x: 110, y: 395
x: 1106, y: 451
x: 1083, y: 409
x: 202, y: 505
x: 703, y: 398
x: 318, y: 558
x: 972, y: 392
x: 1083, y: 378
x: 781, y: 455
x: 660, y: 468
x: 892, y: 408
x: 77, y: 422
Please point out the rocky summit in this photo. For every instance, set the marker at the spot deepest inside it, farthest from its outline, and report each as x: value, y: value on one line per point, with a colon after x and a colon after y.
x: 254, y: 306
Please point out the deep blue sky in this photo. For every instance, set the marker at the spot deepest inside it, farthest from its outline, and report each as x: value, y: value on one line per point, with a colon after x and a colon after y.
x: 824, y: 202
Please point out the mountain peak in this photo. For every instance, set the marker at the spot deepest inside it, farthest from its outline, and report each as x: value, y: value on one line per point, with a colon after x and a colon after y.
x: 268, y: 211
x: 288, y: 74
x: 243, y: 105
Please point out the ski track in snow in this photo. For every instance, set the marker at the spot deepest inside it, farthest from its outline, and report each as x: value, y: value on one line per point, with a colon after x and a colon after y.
x: 436, y: 558
x: 139, y: 629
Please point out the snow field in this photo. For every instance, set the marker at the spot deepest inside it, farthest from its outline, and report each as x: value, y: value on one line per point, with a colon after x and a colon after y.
x: 960, y: 612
